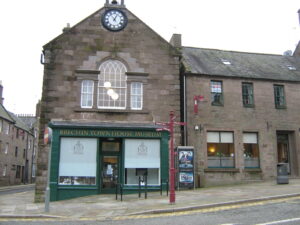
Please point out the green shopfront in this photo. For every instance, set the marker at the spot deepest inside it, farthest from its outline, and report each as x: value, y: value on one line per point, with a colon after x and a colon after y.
x: 89, y: 159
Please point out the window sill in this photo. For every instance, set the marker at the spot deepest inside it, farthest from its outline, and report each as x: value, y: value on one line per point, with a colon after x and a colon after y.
x: 249, y: 106
x: 280, y: 107
x: 217, y: 104
x: 252, y: 170
x: 226, y: 170
x: 111, y: 111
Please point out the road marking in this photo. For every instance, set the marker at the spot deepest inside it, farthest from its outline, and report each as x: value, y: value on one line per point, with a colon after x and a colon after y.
x: 280, y: 221
x: 206, y: 210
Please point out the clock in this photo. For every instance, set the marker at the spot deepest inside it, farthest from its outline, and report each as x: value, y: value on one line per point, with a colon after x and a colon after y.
x: 114, y: 20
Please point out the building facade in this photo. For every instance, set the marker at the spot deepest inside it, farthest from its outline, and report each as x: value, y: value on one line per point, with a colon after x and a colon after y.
x: 242, y: 111
x: 107, y: 81
x: 17, y: 151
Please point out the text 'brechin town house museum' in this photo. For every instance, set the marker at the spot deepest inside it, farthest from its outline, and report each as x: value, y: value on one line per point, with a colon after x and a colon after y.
x: 110, y: 78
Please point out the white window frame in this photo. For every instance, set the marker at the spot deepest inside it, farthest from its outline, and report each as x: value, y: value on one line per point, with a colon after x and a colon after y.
x: 6, y: 148
x: 87, y: 94
x: 136, y: 92
x: 112, y: 85
x: 4, y: 171
x: 6, y: 128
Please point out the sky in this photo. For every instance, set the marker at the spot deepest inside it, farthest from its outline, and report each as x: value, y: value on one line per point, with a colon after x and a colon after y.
x: 261, y: 26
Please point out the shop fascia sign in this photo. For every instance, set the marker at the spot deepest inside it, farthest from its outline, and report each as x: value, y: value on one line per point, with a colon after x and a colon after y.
x: 109, y: 133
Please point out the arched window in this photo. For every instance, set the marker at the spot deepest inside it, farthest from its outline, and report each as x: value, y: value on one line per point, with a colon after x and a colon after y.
x: 112, y: 85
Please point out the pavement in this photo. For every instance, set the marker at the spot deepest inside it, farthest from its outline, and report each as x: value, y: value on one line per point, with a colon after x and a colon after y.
x: 105, y: 206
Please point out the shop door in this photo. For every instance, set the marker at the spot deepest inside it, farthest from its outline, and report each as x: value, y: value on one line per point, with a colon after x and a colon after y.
x: 109, y: 172
x: 283, y: 149
x: 110, y: 161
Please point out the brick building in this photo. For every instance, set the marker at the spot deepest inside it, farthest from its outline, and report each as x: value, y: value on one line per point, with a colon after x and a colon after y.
x: 17, y: 151
x: 110, y: 78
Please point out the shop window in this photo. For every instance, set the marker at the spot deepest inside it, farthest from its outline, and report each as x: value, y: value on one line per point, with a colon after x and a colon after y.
x: 77, y: 165
x: 247, y: 92
x: 220, y: 150
x: 112, y: 86
x: 251, y: 150
x: 87, y: 92
x: 216, y: 93
x: 279, y: 96
x: 142, y: 155
x: 136, y: 96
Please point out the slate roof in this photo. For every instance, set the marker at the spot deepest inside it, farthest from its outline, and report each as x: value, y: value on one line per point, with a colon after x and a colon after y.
x: 4, y: 114
x: 12, y: 118
x: 242, y: 64
x: 19, y: 123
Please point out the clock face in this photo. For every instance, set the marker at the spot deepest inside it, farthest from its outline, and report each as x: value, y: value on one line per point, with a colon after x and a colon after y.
x: 114, y: 20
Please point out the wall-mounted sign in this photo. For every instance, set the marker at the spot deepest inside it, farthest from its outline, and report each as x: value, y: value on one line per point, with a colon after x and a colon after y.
x: 185, y: 166
x: 47, y: 135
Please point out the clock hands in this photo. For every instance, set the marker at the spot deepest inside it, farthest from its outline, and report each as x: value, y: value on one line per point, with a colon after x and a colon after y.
x: 114, y: 18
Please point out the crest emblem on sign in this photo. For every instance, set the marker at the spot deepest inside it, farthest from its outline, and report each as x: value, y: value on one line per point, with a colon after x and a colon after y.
x: 78, y: 148
x: 142, y: 149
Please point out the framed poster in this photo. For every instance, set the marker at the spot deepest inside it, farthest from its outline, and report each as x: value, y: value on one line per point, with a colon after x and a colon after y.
x: 185, y: 166
x: 186, y: 159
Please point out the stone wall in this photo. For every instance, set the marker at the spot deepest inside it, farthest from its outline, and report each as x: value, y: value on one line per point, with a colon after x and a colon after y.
x: 80, y: 50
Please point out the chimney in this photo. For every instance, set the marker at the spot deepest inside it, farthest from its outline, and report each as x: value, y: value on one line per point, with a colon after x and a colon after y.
x: 67, y: 28
x: 1, y: 93
x: 176, y: 40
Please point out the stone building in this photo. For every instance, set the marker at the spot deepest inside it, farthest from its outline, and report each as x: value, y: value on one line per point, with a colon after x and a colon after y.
x: 242, y: 111
x: 17, y: 152
x: 110, y: 78
x: 107, y: 81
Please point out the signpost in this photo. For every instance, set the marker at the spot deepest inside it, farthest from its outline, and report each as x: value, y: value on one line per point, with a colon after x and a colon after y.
x: 170, y: 127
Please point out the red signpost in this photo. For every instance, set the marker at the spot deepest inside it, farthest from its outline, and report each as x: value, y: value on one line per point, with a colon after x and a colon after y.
x: 170, y: 127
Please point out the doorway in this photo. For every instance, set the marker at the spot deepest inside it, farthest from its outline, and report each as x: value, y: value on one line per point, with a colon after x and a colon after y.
x: 283, y: 149
x: 109, y: 172
x: 110, y: 164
